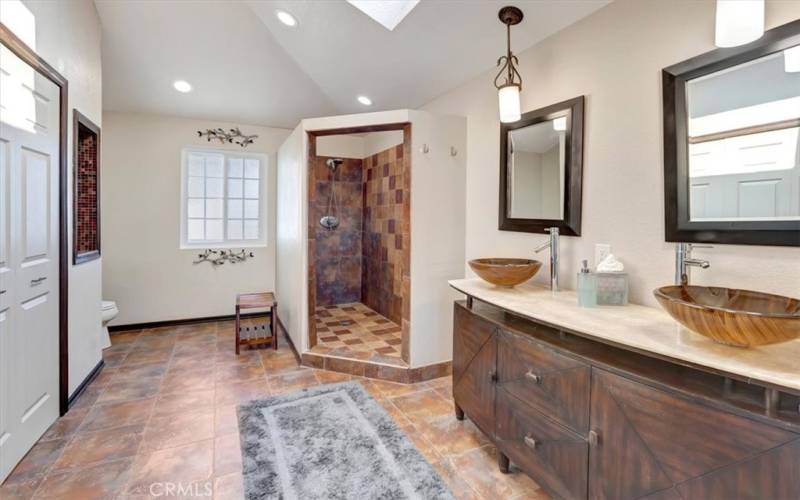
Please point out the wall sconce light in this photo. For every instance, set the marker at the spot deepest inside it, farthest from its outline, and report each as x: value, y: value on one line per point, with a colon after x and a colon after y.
x: 509, y: 89
x: 738, y: 22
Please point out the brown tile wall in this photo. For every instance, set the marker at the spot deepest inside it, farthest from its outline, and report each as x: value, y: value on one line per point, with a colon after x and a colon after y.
x: 385, y: 232
x: 86, y: 193
x: 338, y: 253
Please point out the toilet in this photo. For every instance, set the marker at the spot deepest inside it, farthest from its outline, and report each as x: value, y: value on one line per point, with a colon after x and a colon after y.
x: 108, y: 311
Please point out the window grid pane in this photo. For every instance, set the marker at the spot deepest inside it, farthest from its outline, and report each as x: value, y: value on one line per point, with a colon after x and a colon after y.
x: 223, y: 198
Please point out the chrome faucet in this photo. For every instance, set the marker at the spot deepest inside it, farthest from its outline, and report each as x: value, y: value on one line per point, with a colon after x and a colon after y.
x: 553, y: 244
x: 684, y: 261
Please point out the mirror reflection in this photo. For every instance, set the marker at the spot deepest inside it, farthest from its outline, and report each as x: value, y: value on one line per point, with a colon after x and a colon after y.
x: 536, y: 165
x: 744, y: 152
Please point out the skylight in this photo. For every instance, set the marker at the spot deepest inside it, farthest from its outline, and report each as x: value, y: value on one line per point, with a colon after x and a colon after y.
x: 388, y: 13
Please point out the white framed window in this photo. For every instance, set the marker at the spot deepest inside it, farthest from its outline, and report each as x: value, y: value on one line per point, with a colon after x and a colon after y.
x: 223, y: 199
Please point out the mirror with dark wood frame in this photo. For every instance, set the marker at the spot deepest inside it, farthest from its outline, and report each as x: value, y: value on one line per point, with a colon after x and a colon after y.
x: 732, y: 143
x: 541, y: 165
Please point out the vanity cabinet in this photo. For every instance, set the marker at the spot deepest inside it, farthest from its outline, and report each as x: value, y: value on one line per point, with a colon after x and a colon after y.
x: 589, y: 420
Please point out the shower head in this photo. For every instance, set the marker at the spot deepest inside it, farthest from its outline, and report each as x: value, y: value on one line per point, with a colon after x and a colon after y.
x: 332, y: 163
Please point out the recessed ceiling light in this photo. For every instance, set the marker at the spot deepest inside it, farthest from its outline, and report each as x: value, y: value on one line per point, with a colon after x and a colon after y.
x: 286, y: 18
x: 366, y: 101
x: 182, y: 86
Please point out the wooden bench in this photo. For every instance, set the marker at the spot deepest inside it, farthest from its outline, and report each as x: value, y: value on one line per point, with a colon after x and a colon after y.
x: 258, y: 334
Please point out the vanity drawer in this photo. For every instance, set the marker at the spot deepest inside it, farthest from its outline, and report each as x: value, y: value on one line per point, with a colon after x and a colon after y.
x: 552, y: 454
x: 555, y: 384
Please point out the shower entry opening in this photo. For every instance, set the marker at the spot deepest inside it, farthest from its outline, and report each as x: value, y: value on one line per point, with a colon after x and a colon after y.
x: 359, y: 182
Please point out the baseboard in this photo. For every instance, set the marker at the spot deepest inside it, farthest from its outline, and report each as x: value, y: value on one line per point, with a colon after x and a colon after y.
x: 88, y: 380
x: 178, y: 322
x: 289, y: 339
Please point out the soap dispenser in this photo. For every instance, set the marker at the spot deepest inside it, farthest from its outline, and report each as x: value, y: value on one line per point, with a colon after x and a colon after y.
x: 587, y: 287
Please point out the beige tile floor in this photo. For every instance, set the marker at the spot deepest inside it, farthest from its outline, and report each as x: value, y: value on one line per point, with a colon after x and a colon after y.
x: 163, y: 412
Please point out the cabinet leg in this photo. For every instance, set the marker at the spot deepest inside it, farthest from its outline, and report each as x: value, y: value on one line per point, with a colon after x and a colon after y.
x: 459, y: 412
x: 502, y: 462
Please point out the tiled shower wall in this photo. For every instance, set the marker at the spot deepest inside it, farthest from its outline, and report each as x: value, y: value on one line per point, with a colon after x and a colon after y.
x: 337, y: 253
x: 384, y: 233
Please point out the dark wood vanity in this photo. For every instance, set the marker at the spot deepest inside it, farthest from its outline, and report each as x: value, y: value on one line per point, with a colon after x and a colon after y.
x: 590, y: 419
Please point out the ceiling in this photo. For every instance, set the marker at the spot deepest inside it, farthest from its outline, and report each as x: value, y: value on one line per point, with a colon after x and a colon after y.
x: 245, y: 66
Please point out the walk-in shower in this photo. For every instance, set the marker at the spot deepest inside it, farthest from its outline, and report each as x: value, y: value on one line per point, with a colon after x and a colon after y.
x: 359, y: 246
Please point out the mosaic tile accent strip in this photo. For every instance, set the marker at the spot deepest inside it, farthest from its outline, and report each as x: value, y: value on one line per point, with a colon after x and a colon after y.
x: 86, y: 236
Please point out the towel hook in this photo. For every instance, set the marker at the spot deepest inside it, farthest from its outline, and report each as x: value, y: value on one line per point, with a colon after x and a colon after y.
x: 453, y: 151
x: 425, y: 149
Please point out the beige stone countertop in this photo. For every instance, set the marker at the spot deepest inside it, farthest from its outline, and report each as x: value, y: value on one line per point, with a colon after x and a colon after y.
x: 643, y: 329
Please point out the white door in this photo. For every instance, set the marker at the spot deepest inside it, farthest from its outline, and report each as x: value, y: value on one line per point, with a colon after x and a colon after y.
x: 29, y: 155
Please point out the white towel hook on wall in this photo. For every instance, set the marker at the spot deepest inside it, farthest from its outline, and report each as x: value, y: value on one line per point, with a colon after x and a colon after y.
x: 425, y: 149
x: 453, y: 151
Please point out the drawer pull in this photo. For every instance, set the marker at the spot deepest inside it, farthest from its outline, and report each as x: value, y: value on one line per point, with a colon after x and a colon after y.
x: 594, y: 438
x: 530, y: 442
x: 38, y: 280
x: 2, y: 292
x: 533, y: 377
x: 493, y: 375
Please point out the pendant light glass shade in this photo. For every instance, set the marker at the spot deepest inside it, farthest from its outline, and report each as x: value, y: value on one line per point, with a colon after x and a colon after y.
x: 738, y: 22
x: 509, y: 103
x: 791, y: 60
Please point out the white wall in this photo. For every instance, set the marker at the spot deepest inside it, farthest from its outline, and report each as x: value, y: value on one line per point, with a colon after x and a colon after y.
x: 144, y: 269
x: 291, y: 279
x: 358, y: 145
x: 342, y: 146
x: 437, y: 232
x: 375, y: 142
x: 67, y: 36
x: 614, y: 57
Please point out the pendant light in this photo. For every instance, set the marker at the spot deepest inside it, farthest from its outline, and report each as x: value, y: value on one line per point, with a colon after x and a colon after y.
x: 508, y: 89
x: 738, y: 22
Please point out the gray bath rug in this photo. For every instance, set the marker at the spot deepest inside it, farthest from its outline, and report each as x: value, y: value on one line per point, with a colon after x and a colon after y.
x: 330, y: 442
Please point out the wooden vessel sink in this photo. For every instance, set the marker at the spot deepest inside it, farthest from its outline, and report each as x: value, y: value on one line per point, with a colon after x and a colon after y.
x: 740, y: 318
x: 505, y: 271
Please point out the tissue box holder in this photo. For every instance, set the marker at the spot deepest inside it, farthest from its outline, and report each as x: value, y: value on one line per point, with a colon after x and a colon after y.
x: 612, y: 289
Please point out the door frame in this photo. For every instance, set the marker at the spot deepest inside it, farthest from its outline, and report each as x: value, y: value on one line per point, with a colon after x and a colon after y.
x: 311, y: 151
x: 29, y: 56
